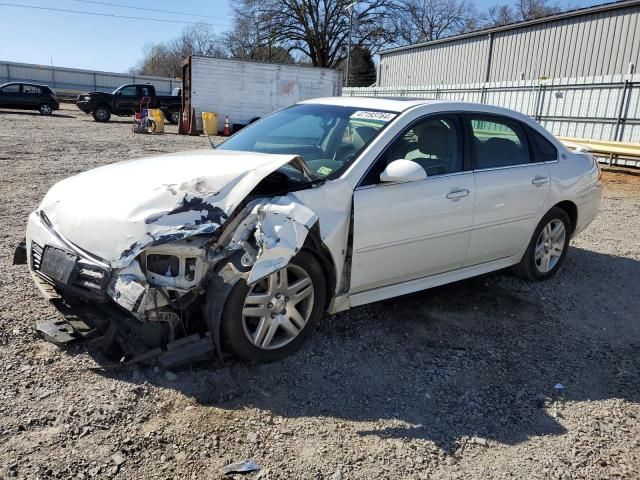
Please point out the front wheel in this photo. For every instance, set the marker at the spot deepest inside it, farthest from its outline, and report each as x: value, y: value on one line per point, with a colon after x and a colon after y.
x: 101, y: 114
x: 270, y: 319
x: 45, y: 109
x: 548, y: 247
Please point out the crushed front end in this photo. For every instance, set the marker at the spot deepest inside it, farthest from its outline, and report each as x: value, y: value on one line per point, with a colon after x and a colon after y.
x: 165, y: 294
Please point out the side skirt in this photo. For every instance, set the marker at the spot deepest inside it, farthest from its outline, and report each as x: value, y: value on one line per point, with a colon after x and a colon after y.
x: 347, y: 301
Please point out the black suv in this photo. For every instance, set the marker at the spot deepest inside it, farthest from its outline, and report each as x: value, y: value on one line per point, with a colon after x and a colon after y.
x: 28, y: 96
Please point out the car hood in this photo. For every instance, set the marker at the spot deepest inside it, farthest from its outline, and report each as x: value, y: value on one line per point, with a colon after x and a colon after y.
x: 115, y: 211
x: 105, y: 94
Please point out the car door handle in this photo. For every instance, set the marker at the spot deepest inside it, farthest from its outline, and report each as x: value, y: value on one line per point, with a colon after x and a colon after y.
x: 538, y: 181
x: 457, y: 194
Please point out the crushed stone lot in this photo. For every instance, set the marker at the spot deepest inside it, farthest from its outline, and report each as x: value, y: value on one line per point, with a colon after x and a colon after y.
x: 493, y: 377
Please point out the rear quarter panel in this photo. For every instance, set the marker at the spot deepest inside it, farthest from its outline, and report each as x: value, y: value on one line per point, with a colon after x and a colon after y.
x: 576, y: 178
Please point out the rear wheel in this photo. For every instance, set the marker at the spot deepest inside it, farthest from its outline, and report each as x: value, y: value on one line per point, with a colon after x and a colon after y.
x: 45, y: 109
x: 101, y: 114
x: 548, y: 247
x: 270, y: 319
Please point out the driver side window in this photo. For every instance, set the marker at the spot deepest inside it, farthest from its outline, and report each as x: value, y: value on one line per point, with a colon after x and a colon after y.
x: 129, y: 91
x: 434, y: 143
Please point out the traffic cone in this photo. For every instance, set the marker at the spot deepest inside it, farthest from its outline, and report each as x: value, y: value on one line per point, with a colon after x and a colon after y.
x: 227, y: 129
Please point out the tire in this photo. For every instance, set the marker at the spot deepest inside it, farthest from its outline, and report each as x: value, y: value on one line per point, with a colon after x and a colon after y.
x: 240, y: 332
x: 45, y: 109
x: 101, y: 114
x: 173, y: 117
x: 543, y: 257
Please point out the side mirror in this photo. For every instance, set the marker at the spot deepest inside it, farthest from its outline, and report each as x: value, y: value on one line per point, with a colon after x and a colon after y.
x: 403, y: 171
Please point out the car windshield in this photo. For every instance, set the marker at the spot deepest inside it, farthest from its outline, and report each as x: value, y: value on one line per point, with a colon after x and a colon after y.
x: 327, y: 137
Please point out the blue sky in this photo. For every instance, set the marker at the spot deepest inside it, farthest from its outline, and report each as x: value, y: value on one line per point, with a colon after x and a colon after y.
x: 110, y: 44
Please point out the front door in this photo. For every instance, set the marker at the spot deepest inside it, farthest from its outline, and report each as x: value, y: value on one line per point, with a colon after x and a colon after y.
x: 404, y: 231
x: 511, y: 188
x: 126, y: 100
x: 10, y: 96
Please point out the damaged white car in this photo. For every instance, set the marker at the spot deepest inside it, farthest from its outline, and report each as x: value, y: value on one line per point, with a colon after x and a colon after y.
x: 322, y: 206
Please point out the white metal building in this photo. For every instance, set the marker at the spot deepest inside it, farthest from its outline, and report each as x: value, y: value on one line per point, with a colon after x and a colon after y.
x: 76, y: 80
x: 597, y: 41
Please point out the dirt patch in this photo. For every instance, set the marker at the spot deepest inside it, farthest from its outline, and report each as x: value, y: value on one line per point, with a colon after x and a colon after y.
x: 455, y: 382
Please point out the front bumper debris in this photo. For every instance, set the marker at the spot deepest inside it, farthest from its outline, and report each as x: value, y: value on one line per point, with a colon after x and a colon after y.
x: 112, y: 333
x: 20, y: 253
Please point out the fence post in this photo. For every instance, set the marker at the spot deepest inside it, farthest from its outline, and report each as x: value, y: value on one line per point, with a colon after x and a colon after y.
x: 8, y: 72
x: 621, y: 112
x: 540, y: 103
x: 95, y: 82
x: 483, y: 94
x: 53, y: 76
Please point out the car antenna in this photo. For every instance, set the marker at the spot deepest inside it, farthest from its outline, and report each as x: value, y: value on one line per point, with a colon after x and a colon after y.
x: 209, y: 138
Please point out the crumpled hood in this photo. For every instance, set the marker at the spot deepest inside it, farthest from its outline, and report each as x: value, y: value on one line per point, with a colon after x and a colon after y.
x: 117, y: 210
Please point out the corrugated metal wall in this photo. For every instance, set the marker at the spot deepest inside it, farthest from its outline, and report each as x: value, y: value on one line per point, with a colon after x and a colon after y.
x: 76, y: 81
x: 603, y: 42
x: 599, y: 108
x: 460, y: 61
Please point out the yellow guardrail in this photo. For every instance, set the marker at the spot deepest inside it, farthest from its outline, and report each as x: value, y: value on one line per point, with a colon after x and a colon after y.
x: 606, y: 148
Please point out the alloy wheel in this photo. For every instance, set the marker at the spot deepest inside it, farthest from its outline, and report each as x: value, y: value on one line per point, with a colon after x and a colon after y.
x: 277, y: 308
x: 549, y: 246
x: 45, y: 109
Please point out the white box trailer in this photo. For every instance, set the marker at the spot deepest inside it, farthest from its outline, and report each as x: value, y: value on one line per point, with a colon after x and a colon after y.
x: 244, y: 90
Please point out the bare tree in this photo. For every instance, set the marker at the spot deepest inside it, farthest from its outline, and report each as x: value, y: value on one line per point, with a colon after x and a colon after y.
x: 426, y: 20
x: 252, y: 37
x: 532, y: 9
x: 165, y: 58
x: 523, y: 10
x: 318, y: 30
x: 498, y: 16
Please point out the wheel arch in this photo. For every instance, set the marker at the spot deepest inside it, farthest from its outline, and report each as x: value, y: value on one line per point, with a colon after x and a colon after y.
x: 103, y: 104
x: 316, y: 246
x: 572, y: 210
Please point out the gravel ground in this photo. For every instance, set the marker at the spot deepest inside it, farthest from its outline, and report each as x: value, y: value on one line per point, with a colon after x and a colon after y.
x: 455, y: 382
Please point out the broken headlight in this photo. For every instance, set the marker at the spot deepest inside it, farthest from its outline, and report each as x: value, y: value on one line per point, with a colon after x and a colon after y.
x: 165, y: 265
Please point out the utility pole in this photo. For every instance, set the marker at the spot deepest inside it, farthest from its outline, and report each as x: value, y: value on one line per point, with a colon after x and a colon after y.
x: 350, y: 8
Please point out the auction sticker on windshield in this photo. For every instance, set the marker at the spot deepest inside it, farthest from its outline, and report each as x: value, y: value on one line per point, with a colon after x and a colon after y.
x: 369, y: 115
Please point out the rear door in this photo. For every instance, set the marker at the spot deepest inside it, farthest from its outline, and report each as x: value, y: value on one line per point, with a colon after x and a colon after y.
x: 511, y: 188
x: 31, y: 97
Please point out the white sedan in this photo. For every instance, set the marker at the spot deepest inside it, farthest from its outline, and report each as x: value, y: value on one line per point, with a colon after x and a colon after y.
x: 322, y: 206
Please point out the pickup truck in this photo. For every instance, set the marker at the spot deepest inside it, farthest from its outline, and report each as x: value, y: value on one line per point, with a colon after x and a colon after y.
x: 125, y: 100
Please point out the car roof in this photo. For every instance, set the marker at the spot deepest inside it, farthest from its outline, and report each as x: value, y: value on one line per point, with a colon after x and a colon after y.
x: 391, y: 104
x: 26, y: 83
x: 401, y: 104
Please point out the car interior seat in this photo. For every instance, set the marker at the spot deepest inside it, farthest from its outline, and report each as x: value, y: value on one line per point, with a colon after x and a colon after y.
x: 437, y: 149
x: 499, y: 152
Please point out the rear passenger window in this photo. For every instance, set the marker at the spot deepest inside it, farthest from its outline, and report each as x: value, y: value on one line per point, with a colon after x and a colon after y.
x: 30, y: 90
x: 541, y: 148
x: 498, y: 142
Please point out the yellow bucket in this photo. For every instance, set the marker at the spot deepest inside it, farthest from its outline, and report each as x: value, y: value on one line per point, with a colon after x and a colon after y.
x: 210, y: 123
x: 157, y: 116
